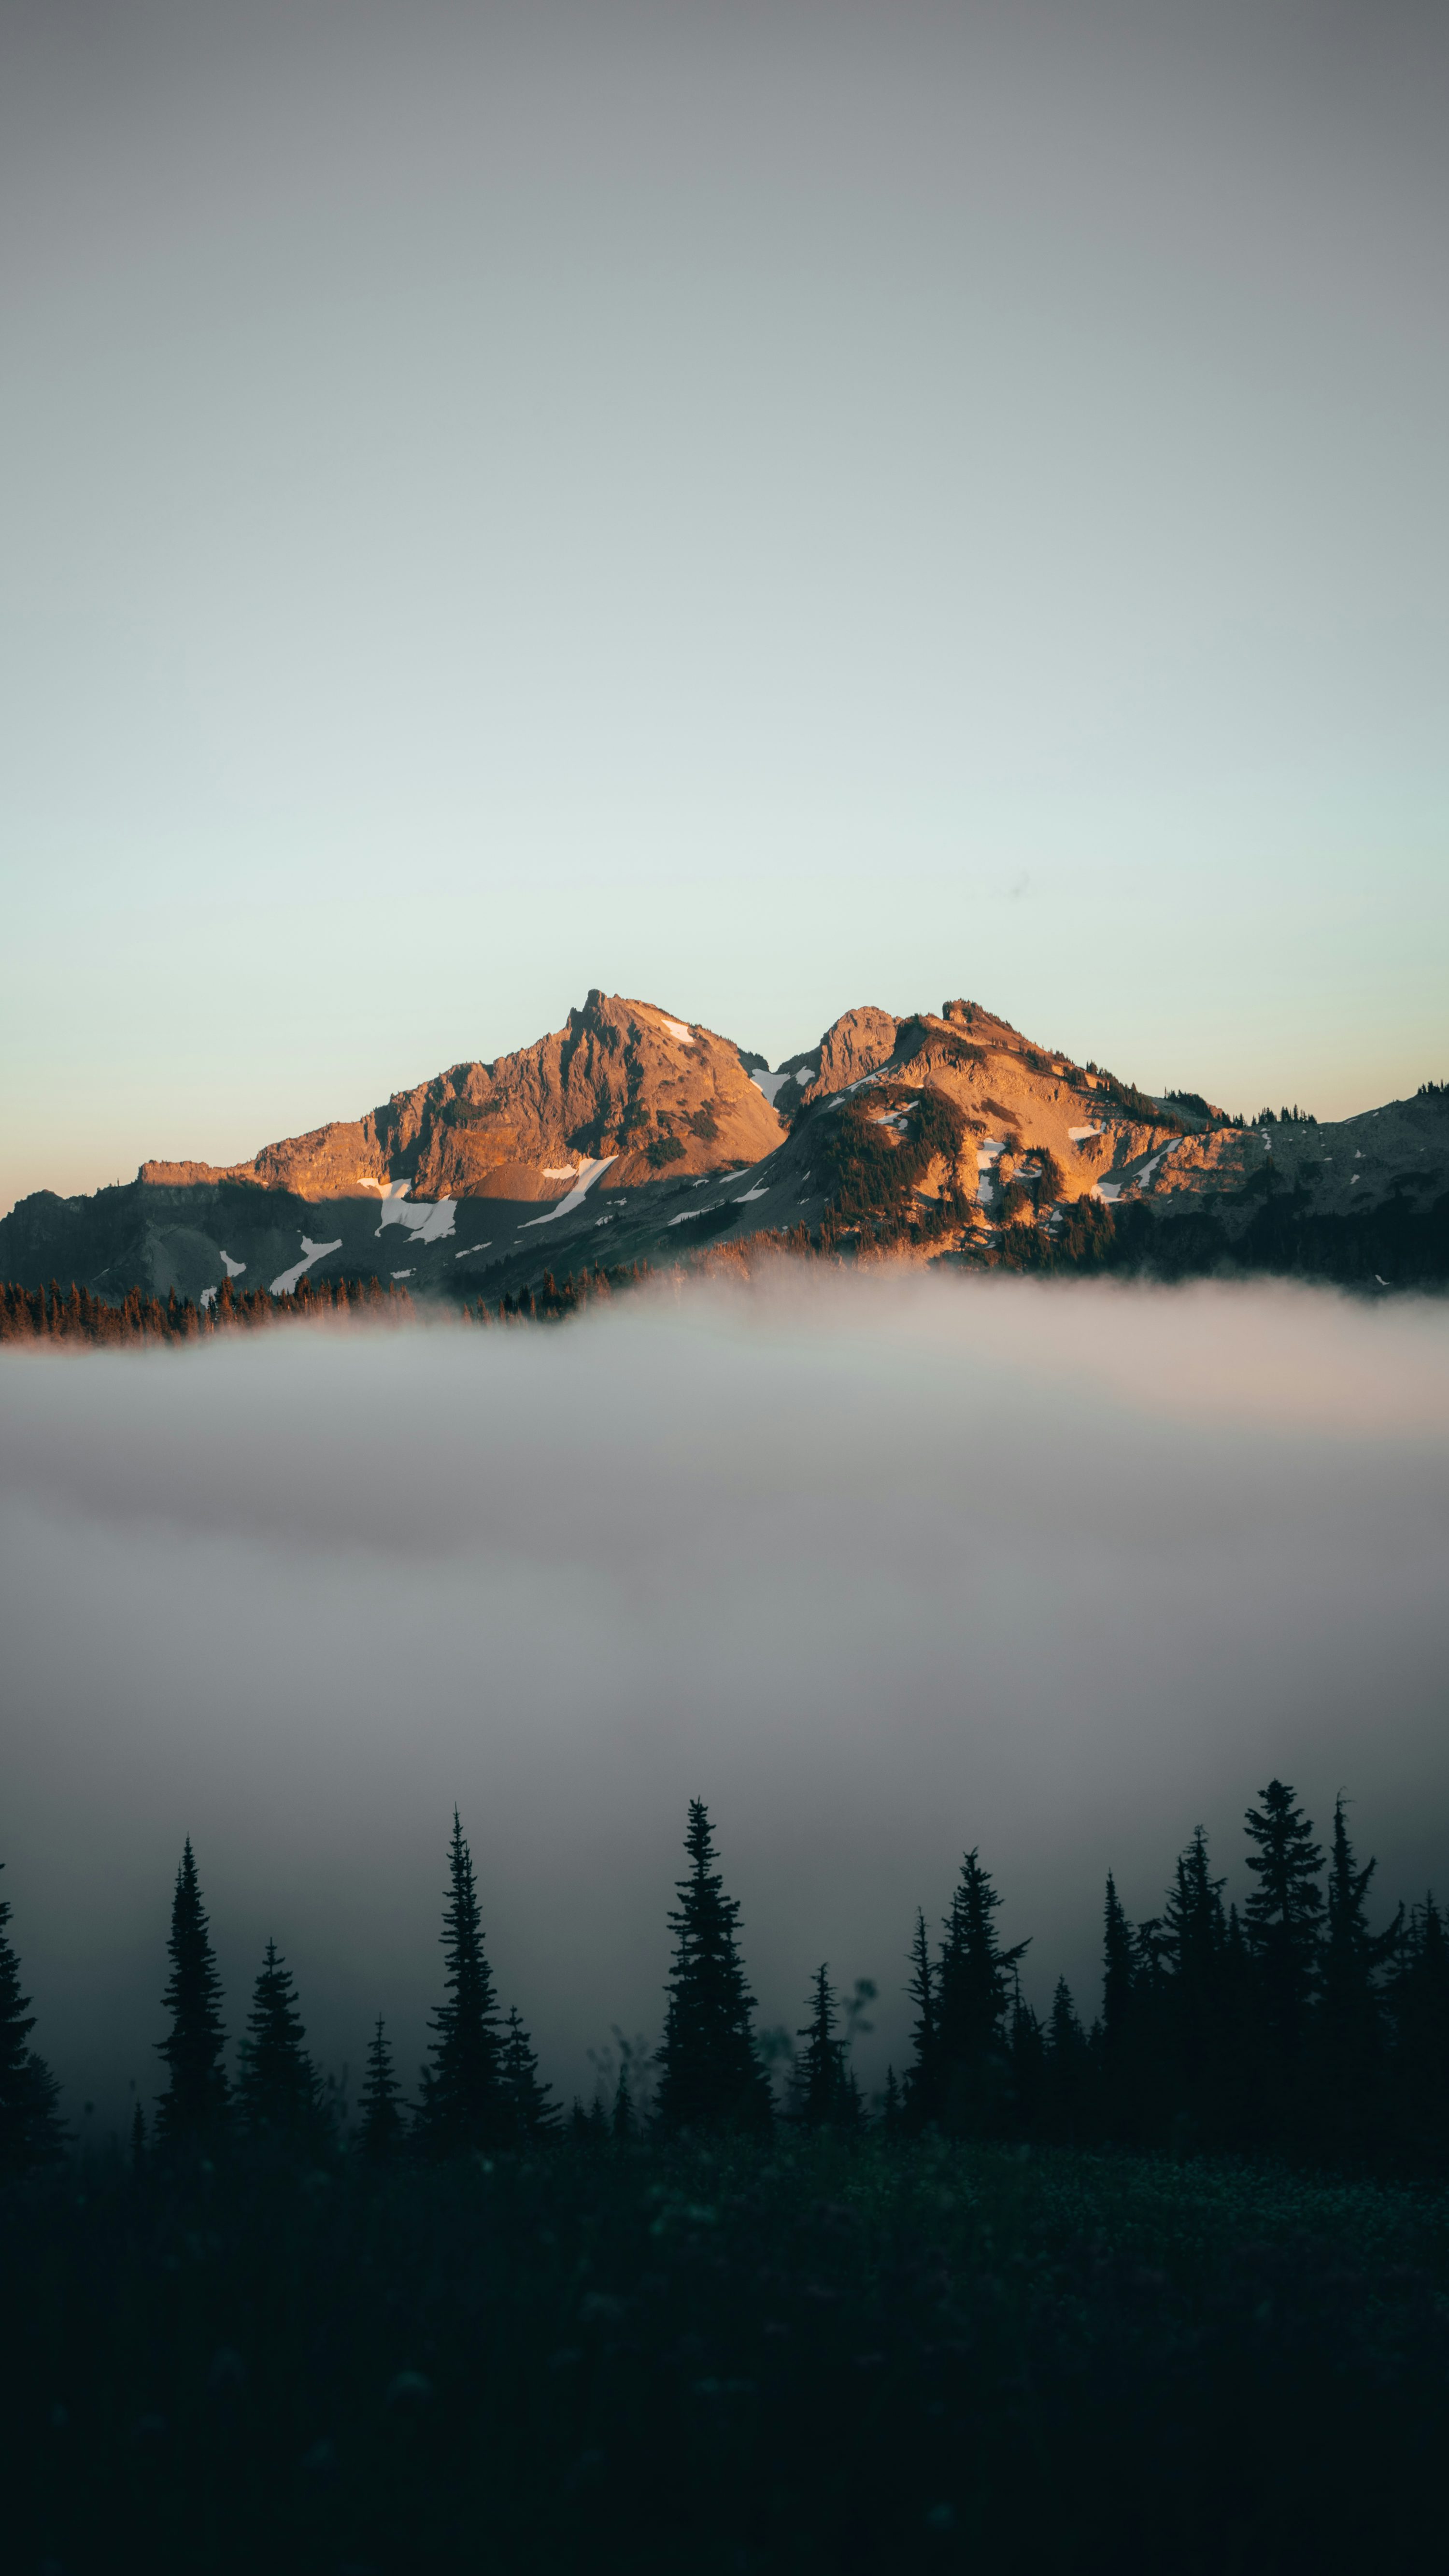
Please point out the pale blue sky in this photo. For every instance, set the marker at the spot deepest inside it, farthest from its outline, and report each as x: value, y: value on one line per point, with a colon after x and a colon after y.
x: 764, y: 509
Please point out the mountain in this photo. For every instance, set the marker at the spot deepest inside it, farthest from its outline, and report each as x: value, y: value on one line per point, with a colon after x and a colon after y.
x: 632, y: 1136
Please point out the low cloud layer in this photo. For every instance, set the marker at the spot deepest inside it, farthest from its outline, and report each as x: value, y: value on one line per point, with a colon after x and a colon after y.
x: 880, y: 1567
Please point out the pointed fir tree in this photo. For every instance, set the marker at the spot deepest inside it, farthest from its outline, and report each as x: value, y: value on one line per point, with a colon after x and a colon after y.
x: 1064, y: 2089
x: 532, y: 2115
x: 463, y: 2101
x: 1419, y: 2011
x: 30, y: 2127
x: 1348, y: 2031
x: 381, y: 2130
x: 823, y: 2094
x: 922, y: 2093
x: 277, y: 2092
x: 623, y: 2126
x: 974, y: 1990
x: 192, y: 2111
x: 891, y: 2116
x: 1026, y: 2049
x: 710, y: 2076
x: 1191, y: 1948
x: 138, y: 2139
x: 1284, y: 1913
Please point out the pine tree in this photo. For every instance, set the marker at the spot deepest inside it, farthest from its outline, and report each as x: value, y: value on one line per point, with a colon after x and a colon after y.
x: 710, y: 2076
x: 138, y: 2141
x: 623, y: 2125
x: 1026, y: 2049
x: 532, y: 2115
x: 1283, y: 1915
x: 30, y: 2128
x: 464, y: 2104
x: 1419, y: 2007
x: 823, y: 2092
x: 1348, y: 2034
x: 1117, y: 2052
x: 277, y: 2089
x: 974, y: 1990
x: 923, y: 2091
x: 1065, y: 2085
x: 194, y: 2105
x: 381, y: 2131
x: 1192, y: 1947
x: 891, y: 2114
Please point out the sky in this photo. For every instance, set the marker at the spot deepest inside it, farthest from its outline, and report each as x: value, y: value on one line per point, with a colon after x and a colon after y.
x: 882, y: 1567
x: 760, y: 508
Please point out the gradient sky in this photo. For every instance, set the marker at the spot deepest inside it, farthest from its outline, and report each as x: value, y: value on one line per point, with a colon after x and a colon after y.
x: 767, y: 508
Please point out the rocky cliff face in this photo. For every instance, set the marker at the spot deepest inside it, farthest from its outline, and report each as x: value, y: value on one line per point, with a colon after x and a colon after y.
x: 630, y: 1135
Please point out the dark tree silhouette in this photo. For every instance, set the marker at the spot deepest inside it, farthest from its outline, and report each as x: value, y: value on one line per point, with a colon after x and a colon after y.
x: 623, y: 2124
x: 1419, y: 2008
x: 823, y: 2094
x: 381, y: 2130
x: 923, y: 2091
x: 974, y: 1991
x: 464, y: 2104
x: 30, y: 2128
x: 1349, y: 2032
x: 710, y: 2076
x: 1192, y: 1947
x: 194, y: 2106
x: 277, y: 2089
x: 1283, y: 1916
x: 532, y: 2115
x: 1064, y: 2089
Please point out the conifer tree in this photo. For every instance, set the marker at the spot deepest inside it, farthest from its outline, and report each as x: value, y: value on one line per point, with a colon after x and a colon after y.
x: 1117, y: 2054
x: 923, y: 2091
x: 710, y: 2076
x: 30, y: 2128
x: 277, y: 2089
x: 1348, y: 2025
x: 1064, y: 2093
x: 622, y: 2122
x: 1419, y: 2005
x: 193, y: 2108
x: 891, y: 2108
x: 974, y: 1990
x: 1283, y: 1916
x: 1027, y: 2058
x: 381, y: 2130
x: 533, y: 2116
x: 1192, y: 1944
x: 463, y: 2101
x: 823, y: 2094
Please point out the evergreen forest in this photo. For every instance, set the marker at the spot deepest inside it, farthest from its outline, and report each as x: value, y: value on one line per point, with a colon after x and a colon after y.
x: 1157, y: 2279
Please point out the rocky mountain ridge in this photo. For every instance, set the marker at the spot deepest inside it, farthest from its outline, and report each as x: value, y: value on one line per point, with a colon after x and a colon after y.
x: 630, y: 1136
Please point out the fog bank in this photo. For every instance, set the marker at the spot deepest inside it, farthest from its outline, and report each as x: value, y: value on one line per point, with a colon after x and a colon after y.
x: 881, y: 1567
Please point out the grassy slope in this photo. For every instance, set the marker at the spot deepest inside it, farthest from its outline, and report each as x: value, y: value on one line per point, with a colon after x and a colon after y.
x: 797, y: 2357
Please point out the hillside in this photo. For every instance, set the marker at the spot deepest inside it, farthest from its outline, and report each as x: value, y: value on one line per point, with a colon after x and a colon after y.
x: 631, y: 1136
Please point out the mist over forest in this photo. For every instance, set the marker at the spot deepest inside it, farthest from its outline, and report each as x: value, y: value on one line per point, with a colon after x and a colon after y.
x: 882, y: 1567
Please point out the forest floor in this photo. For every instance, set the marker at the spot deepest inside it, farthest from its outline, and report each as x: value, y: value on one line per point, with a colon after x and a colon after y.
x: 738, y: 2361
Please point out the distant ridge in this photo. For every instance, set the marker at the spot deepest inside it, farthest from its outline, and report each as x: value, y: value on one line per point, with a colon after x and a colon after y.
x: 633, y: 1135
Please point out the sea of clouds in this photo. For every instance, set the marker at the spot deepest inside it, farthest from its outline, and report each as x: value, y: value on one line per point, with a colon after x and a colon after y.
x: 881, y: 1566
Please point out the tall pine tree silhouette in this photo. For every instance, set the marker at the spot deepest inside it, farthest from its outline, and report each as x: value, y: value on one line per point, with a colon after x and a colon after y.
x: 532, y: 2115
x: 710, y: 2076
x: 193, y: 2108
x: 1192, y: 1947
x: 277, y: 2089
x: 1283, y: 1916
x: 1349, y: 2033
x: 30, y: 2129
x: 463, y: 2100
x: 824, y: 2094
x: 1419, y: 2003
x: 974, y: 1993
x: 922, y: 2092
x: 380, y: 2130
